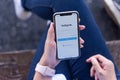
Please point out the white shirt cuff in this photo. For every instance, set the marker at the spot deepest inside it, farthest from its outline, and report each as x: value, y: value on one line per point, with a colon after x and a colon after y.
x: 59, y: 77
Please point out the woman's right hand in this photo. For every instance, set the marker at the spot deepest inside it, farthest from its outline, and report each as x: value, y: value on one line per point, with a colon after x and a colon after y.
x: 102, y: 68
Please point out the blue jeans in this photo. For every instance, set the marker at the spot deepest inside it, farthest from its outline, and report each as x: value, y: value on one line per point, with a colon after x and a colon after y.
x: 94, y: 42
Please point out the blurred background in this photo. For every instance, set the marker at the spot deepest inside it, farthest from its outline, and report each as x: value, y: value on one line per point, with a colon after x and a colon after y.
x: 17, y: 35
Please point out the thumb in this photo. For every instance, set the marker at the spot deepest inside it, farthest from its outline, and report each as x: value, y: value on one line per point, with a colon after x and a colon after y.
x: 51, y: 35
x: 96, y: 65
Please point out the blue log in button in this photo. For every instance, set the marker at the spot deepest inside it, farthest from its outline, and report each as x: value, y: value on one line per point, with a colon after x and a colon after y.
x: 66, y: 39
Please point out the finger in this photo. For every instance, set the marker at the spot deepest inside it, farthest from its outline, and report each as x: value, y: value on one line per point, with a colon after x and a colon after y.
x: 81, y: 41
x: 99, y: 57
x: 89, y: 60
x: 81, y: 46
x: 95, y: 56
x: 51, y: 35
x: 96, y: 77
x: 81, y: 27
x: 96, y: 65
x: 79, y: 20
x: 92, y: 71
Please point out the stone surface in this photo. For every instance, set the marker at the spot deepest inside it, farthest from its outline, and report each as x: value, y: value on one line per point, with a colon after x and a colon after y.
x: 15, y: 65
x: 114, y: 47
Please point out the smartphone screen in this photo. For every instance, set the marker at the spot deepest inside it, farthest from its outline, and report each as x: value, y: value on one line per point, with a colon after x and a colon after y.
x: 67, y: 34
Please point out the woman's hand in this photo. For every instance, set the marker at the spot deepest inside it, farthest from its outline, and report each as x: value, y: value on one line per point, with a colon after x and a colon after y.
x: 49, y: 55
x: 102, y: 68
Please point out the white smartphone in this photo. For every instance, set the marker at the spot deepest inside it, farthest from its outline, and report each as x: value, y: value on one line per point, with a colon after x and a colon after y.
x: 67, y: 34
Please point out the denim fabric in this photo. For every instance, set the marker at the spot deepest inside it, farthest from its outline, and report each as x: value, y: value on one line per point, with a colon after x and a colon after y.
x: 94, y: 42
x: 118, y: 76
x: 42, y: 8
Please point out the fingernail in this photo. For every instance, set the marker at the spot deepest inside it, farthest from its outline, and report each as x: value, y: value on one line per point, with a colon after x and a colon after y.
x: 93, y: 60
x: 81, y: 46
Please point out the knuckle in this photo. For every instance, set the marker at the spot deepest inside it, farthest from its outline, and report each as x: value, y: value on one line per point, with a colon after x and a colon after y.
x: 110, y: 63
x: 98, y: 54
x: 51, y: 43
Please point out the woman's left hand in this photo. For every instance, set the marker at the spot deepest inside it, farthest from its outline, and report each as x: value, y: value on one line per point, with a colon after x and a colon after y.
x: 49, y: 55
